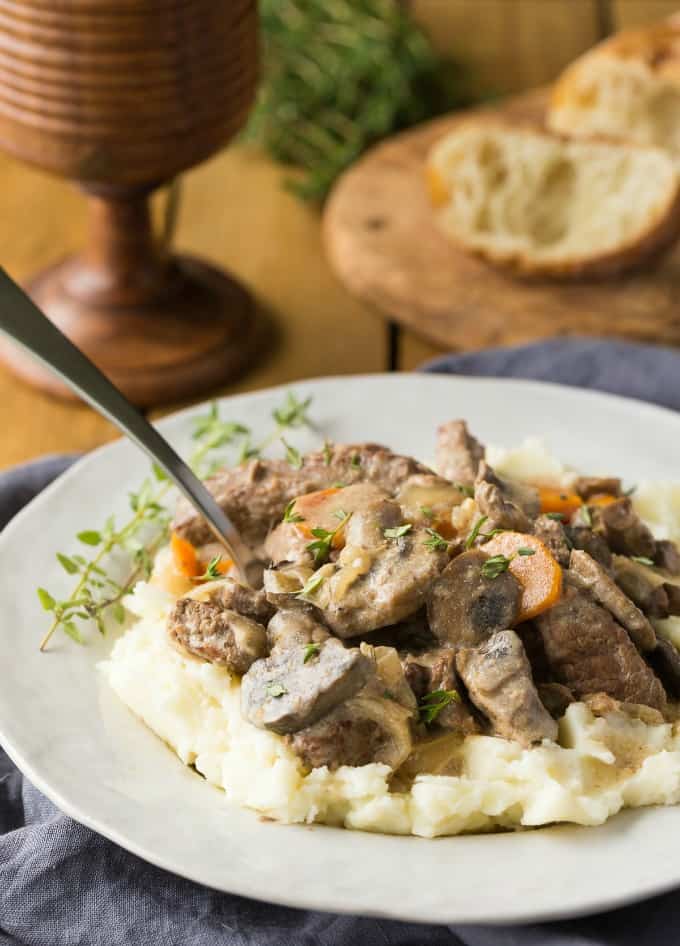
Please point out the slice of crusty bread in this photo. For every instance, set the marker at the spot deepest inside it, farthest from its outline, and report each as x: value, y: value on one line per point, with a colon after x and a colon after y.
x: 548, y: 206
x: 627, y: 87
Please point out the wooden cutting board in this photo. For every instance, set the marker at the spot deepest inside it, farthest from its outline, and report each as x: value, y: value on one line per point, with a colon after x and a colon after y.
x: 383, y: 244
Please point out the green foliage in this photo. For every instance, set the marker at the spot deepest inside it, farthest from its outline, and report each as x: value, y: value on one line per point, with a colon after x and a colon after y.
x: 338, y: 76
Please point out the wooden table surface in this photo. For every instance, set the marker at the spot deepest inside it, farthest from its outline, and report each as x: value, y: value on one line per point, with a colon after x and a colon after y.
x: 235, y: 213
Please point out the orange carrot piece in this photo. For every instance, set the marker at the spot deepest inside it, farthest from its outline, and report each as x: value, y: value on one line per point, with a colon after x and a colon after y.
x: 184, y: 556
x: 559, y: 500
x: 539, y: 574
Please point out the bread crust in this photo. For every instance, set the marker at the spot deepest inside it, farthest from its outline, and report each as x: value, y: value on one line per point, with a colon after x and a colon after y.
x: 663, y: 231
x: 656, y: 48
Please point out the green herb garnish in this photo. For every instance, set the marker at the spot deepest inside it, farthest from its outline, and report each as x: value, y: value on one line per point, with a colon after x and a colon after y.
x: 495, y: 565
x: 642, y: 560
x: 557, y: 516
x: 587, y: 516
x: 323, y: 540
x: 466, y: 490
x: 311, y: 651
x: 327, y: 452
x: 525, y: 551
x: 293, y: 455
x: 132, y: 545
x: 433, y: 703
x: 398, y: 531
x: 427, y: 511
x: 212, y: 572
x: 477, y: 533
x: 289, y: 515
x: 436, y: 542
x: 276, y: 690
x: 310, y: 586
x: 355, y: 462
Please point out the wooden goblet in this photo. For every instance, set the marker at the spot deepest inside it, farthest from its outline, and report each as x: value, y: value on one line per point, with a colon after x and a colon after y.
x: 121, y: 96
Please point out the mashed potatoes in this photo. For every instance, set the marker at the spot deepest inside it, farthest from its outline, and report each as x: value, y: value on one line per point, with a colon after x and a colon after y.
x: 599, y: 766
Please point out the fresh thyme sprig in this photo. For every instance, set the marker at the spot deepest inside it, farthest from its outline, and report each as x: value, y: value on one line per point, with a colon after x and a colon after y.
x: 323, y: 538
x: 433, y: 703
x: 495, y: 565
x: 96, y: 593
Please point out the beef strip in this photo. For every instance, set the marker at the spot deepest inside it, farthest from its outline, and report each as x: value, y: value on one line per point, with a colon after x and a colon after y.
x: 552, y: 534
x: 458, y: 453
x: 506, y: 504
x: 436, y: 670
x: 590, y: 653
x: 256, y: 494
x: 583, y: 537
x: 498, y: 679
x: 667, y: 556
x: 623, y: 529
x: 291, y: 628
x: 464, y: 607
x: 555, y: 697
x: 588, y: 573
x: 665, y: 661
x: 377, y: 580
x: 531, y: 638
x: 641, y: 586
x: 219, y: 635
x: 290, y: 690
x: 588, y: 486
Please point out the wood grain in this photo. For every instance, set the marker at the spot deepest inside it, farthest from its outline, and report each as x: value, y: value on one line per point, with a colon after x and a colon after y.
x: 510, y: 45
x: 627, y: 13
x: 384, y: 245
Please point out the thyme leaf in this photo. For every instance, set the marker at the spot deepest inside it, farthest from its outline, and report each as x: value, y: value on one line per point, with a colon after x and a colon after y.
x: 433, y: 703
x: 398, y: 531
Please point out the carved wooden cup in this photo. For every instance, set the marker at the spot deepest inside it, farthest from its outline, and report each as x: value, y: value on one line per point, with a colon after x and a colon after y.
x: 120, y: 96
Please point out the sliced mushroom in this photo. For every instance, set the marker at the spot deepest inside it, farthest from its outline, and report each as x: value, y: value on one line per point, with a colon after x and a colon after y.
x: 294, y: 687
x: 230, y: 594
x: 498, y: 680
x: 292, y: 628
x: 464, y: 607
x: 381, y: 576
x: 588, y: 573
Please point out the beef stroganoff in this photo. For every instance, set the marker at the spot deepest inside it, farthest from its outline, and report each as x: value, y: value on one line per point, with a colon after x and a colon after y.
x: 490, y: 643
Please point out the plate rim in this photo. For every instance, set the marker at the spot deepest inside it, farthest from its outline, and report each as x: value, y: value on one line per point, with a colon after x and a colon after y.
x: 126, y: 841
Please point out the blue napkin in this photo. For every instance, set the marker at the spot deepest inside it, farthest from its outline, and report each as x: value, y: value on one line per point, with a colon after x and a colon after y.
x: 63, y: 885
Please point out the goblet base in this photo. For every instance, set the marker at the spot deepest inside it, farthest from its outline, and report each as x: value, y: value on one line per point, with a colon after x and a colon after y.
x: 174, y: 339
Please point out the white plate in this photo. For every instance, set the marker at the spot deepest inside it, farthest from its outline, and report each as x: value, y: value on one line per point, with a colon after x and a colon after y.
x: 85, y: 751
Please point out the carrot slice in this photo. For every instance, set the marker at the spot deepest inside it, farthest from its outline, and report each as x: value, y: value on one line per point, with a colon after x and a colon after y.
x: 538, y: 573
x: 184, y: 556
x: 559, y: 500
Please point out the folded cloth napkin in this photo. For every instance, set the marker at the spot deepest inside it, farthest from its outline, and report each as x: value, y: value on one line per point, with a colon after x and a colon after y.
x: 63, y: 885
